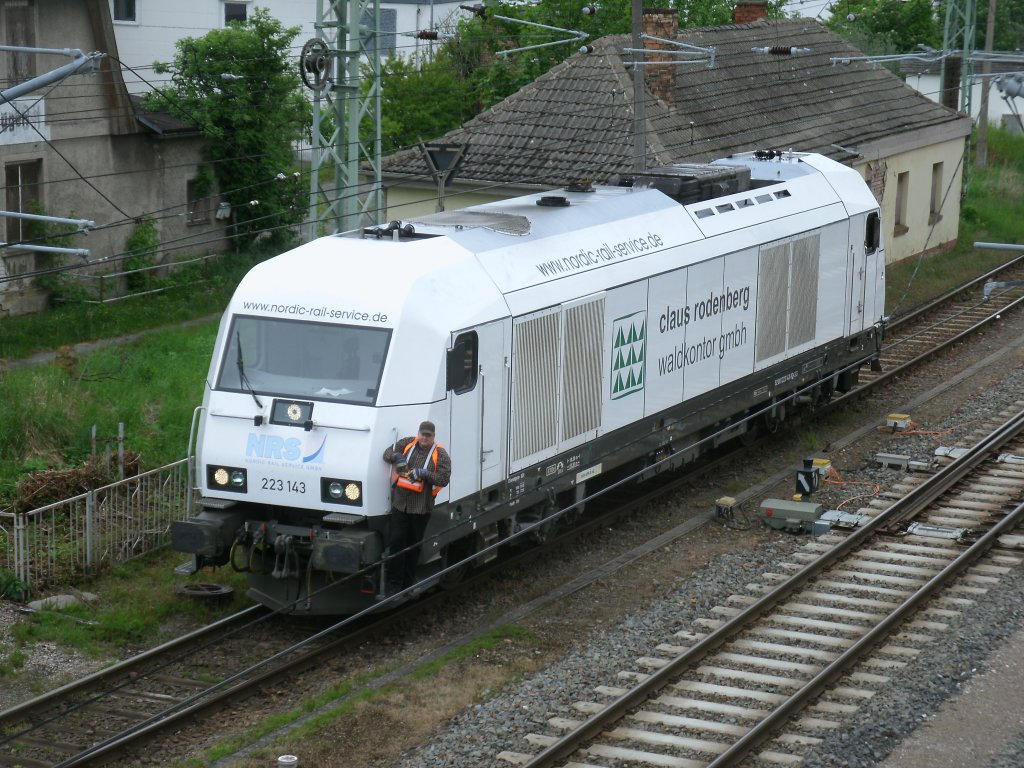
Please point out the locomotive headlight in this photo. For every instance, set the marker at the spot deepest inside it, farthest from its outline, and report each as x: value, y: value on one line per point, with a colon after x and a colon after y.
x: 337, y: 491
x: 233, y: 479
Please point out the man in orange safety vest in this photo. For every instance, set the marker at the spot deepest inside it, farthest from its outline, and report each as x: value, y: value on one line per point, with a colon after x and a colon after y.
x: 421, y: 467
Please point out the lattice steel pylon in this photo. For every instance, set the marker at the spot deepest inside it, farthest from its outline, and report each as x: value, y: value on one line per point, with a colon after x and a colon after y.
x: 330, y: 66
x: 959, y: 35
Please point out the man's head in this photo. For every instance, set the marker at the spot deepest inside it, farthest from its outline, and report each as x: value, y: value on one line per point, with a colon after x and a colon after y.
x: 425, y: 434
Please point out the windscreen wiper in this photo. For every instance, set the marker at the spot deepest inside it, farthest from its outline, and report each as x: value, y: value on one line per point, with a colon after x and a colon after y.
x: 241, y: 371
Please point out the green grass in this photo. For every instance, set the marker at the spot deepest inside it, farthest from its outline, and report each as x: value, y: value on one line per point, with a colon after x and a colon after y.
x: 137, y: 607
x: 992, y: 211
x: 196, y: 295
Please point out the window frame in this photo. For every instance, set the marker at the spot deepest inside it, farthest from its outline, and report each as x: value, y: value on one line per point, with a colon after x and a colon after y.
x: 128, y: 9
x: 900, y: 223
x: 19, y: 66
x: 15, y: 198
x: 199, y: 210
x: 242, y: 4
x: 935, y: 201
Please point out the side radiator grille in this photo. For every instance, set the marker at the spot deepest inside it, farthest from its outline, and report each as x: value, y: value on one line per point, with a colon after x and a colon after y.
x: 772, y: 301
x: 803, y: 312
x: 581, y: 373
x: 535, y: 385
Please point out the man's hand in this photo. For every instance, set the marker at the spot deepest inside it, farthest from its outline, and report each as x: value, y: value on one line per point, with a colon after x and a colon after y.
x: 415, y: 474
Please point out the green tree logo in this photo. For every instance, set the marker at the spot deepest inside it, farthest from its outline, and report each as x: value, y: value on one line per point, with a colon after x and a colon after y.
x: 629, y: 351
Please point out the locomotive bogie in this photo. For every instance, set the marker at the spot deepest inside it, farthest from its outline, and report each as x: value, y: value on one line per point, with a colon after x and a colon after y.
x: 559, y: 342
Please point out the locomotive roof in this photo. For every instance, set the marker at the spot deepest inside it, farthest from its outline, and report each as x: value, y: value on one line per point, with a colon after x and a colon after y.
x: 522, y: 254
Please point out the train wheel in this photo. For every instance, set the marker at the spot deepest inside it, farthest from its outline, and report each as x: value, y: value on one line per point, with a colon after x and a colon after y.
x: 749, y: 437
x: 456, y: 552
x: 541, y: 533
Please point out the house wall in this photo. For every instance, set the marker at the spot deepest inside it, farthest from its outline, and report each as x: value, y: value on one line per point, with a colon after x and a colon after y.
x: 92, y: 161
x: 158, y: 25
x: 405, y: 200
x: 923, y: 215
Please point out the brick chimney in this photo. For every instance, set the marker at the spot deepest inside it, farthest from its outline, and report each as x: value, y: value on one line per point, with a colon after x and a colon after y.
x: 750, y: 10
x: 661, y: 80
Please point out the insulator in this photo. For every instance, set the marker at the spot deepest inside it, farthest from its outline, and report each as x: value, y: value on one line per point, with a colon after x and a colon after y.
x: 427, y: 34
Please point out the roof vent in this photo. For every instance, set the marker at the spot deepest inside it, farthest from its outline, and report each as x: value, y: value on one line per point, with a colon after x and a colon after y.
x: 579, y: 185
x: 551, y: 201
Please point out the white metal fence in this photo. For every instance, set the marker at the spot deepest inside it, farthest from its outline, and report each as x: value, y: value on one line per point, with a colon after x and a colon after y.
x: 113, y: 524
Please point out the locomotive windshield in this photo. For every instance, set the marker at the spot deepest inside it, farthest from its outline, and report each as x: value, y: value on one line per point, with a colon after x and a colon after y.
x: 293, y: 358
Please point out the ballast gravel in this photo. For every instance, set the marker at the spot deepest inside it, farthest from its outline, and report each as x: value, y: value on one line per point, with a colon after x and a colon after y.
x: 478, y: 734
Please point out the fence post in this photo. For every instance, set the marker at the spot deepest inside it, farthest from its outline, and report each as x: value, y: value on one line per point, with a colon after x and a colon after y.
x: 120, y: 449
x: 90, y: 507
x: 189, y: 476
x: 21, y: 566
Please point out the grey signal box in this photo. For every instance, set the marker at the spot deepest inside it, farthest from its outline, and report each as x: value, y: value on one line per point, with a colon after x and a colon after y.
x: 795, y: 516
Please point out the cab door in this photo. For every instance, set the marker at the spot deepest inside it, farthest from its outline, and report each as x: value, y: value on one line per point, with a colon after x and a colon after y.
x: 477, y: 374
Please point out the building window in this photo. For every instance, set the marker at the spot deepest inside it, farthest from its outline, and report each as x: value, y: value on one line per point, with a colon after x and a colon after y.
x: 124, y: 10
x: 935, y: 207
x: 200, y: 207
x: 19, y: 29
x: 22, y: 194
x: 901, y: 225
x: 235, y: 12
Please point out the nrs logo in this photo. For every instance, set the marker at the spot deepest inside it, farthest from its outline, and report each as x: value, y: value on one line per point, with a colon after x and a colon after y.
x: 282, y: 449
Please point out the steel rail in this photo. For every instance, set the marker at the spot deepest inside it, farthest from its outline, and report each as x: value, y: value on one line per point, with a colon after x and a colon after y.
x: 906, y: 507
x: 125, y: 667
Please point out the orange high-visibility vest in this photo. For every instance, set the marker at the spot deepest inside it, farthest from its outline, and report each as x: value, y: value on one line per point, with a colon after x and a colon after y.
x: 417, y: 486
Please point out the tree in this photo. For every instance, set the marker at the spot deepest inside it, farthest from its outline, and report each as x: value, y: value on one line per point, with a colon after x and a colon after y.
x: 419, y: 101
x: 238, y: 86
x: 887, y: 26
x: 1009, y: 28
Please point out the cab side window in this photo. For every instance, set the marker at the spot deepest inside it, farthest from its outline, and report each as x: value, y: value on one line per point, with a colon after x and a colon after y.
x: 872, y: 233
x: 462, y: 363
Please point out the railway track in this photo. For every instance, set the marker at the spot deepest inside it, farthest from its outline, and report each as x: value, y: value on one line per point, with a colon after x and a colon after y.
x: 776, y: 667
x: 951, y: 319
x: 101, y: 716
x: 107, y: 714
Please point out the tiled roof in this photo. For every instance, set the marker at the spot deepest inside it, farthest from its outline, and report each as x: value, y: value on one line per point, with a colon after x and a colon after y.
x: 576, y: 120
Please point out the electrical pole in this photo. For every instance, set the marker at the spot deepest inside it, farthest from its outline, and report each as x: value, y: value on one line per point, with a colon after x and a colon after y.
x: 330, y: 67
x: 958, y: 34
x: 981, y: 153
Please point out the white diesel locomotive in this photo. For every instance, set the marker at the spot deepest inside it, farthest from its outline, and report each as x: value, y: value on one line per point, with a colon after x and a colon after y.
x: 557, y: 340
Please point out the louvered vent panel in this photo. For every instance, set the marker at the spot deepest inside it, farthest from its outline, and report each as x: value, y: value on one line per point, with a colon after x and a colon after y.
x: 535, y: 388
x: 772, y: 300
x: 581, y: 373
x: 803, y: 313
